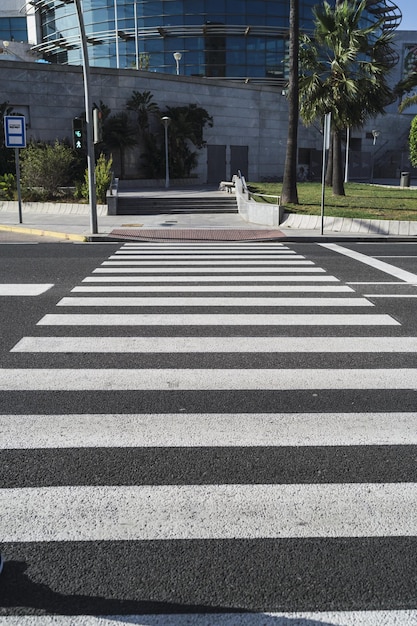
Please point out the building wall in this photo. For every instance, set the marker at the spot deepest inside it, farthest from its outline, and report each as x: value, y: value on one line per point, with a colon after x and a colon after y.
x: 51, y: 96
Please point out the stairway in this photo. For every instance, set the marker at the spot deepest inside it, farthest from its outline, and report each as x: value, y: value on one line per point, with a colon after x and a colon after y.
x: 219, y: 202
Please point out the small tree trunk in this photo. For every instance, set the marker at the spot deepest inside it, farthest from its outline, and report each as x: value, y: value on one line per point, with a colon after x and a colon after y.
x: 289, y: 192
x: 338, y: 185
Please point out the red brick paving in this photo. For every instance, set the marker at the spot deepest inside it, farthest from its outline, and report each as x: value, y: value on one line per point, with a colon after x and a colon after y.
x: 194, y: 234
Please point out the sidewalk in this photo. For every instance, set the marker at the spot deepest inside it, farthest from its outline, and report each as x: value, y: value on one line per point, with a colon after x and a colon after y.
x: 72, y: 222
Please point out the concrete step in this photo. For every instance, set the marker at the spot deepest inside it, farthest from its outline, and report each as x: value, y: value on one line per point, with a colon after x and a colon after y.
x: 156, y: 205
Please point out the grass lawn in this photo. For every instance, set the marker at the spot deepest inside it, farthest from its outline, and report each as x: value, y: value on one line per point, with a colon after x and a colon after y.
x: 361, y: 200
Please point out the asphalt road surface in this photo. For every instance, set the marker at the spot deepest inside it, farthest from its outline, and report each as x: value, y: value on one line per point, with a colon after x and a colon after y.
x: 208, y: 434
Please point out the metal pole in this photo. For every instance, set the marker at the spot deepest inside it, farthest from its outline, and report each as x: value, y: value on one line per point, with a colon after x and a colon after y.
x: 135, y: 8
x: 326, y: 145
x: 347, y: 154
x: 166, y: 121
x: 88, y: 116
x: 116, y: 29
x: 19, y: 191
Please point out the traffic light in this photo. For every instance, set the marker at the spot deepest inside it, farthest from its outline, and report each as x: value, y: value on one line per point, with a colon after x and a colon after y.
x: 78, y: 134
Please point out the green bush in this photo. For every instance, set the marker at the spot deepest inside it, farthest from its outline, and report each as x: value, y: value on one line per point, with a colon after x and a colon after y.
x: 45, y: 168
x: 7, y: 186
x: 413, y: 142
x: 103, y: 179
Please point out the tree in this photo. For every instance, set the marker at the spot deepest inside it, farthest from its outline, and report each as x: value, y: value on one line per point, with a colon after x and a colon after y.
x: 413, y: 142
x: 344, y: 68
x: 186, y: 128
x: 289, y: 184
x: 144, y: 107
x: 405, y: 86
x: 118, y: 133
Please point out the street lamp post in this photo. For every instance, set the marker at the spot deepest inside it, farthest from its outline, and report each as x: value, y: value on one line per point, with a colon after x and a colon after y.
x: 177, y: 57
x: 166, y: 122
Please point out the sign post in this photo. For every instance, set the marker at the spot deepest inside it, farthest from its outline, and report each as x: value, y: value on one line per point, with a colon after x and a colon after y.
x: 326, y: 146
x: 15, y: 137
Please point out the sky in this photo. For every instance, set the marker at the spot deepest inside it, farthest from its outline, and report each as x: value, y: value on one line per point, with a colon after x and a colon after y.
x: 409, y: 10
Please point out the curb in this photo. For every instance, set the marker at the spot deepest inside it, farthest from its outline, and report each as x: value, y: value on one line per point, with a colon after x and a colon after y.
x: 43, y: 233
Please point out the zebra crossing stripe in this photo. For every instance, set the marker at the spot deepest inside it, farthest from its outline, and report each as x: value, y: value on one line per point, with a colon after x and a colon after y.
x: 184, y: 430
x: 229, y: 345
x: 227, y: 511
x: 208, y: 302
x: 141, y: 254
x: 247, y: 263
x: 325, y: 618
x: 252, y: 278
x: 111, y: 379
x: 214, y: 288
x: 203, y: 270
x: 195, y: 319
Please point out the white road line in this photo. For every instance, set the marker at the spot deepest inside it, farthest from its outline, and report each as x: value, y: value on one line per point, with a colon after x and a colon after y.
x: 155, y: 513
x: 408, y: 277
x: 205, y: 270
x: 247, y: 263
x: 230, y: 246
x: 205, y: 345
x: 220, y: 301
x: 213, y: 288
x: 261, y: 319
x: 207, y: 430
x: 253, y: 279
x: 127, y: 254
x: 205, y: 379
x: 388, y: 295
x: 395, y: 256
x: 374, y: 282
x: 24, y: 289
x: 342, y: 618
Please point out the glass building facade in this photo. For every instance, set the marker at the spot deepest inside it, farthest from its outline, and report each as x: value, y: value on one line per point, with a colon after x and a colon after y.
x: 232, y: 39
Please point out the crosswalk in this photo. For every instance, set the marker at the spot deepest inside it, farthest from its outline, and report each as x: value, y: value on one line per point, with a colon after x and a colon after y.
x: 210, y: 434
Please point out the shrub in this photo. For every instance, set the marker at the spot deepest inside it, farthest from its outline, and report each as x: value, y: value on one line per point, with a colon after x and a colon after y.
x: 103, y: 179
x: 413, y: 142
x: 45, y: 168
x: 7, y: 186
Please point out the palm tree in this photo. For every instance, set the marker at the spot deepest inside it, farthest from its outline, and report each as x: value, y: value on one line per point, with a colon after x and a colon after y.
x: 141, y: 103
x: 289, y: 184
x: 118, y: 133
x: 343, y: 71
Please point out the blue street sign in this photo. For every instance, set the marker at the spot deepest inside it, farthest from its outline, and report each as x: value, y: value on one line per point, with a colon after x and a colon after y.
x: 15, y: 131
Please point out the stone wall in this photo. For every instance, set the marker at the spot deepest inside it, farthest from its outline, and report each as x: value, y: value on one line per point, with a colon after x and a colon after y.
x: 51, y: 96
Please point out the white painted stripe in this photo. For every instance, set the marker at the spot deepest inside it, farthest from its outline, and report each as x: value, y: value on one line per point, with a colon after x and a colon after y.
x: 253, y: 279
x: 279, y: 345
x: 228, y: 245
x: 155, y: 513
x: 220, y: 301
x: 392, y: 256
x: 24, y: 289
x: 408, y: 277
x: 203, y: 270
x: 204, y: 379
x: 207, y: 430
x: 126, y: 254
x: 213, y: 288
x: 191, y: 263
x: 374, y: 282
x: 393, y: 295
x: 333, y: 618
x: 188, y: 319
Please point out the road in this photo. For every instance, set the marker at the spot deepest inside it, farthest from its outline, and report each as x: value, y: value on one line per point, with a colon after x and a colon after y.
x: 208, y: 434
